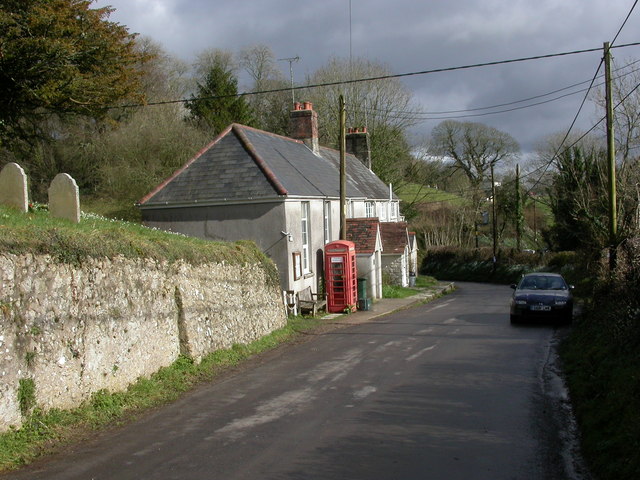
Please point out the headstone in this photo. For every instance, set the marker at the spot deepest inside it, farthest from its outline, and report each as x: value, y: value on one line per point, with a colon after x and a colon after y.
x: 64, y: 200
x: 13, y: 187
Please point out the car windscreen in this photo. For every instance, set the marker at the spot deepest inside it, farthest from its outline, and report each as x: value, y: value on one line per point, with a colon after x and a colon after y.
x: 540, y: 282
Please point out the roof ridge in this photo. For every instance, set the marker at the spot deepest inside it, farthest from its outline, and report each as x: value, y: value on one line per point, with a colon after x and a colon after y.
x: 277, y: 135
x: 264, y: 167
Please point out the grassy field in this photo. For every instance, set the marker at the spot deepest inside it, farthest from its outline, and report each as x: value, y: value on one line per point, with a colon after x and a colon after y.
x: 416, y: 193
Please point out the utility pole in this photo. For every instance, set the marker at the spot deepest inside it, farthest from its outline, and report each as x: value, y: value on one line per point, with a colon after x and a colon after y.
x: 611, y: 156
x: 291, y: 60
x: 343, y: 171
x: 535, y: 224
x: 518, y: 210
x: 494, y: 219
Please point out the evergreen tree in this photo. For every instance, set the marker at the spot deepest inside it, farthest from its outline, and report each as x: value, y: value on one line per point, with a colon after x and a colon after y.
x: 579, y: 201
x: 60, y: 58
x: 216, y: 104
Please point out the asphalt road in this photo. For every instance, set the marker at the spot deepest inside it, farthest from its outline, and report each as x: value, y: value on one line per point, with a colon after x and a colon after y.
x: 448, y: 390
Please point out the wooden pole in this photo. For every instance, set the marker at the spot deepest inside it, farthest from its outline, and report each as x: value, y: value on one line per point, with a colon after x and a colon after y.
x: 611, y: 156
x: 343, y: 171
x: 518, y: 210
x: 494, y: 220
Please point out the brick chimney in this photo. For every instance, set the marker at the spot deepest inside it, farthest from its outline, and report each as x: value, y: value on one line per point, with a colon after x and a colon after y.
x: 303, y: 125
x: 358, y: 145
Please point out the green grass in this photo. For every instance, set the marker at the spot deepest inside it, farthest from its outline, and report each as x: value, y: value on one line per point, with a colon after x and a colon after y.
x: 413, y: 192
x: 604, y: 381
x: 395, y: 291
x: 38, y: 233
x: 111, y: 208
x: 46, y: 432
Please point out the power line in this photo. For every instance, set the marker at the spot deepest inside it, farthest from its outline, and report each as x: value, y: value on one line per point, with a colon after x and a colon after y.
x: 372, y: 79
x: 625, y: 22
x: 584, y: 100
x: 417, y: 115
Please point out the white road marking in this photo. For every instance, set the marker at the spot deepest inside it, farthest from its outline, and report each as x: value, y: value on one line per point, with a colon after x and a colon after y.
x: 364, y: 392
x: 278, y: 407
x: 424, y: 331
x: 417, y: 354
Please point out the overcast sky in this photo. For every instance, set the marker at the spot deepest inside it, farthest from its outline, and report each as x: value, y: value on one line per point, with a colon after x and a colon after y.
x: 413, y: 35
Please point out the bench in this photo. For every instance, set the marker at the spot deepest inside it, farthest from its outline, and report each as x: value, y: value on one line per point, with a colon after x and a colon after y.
x: 310, y: 302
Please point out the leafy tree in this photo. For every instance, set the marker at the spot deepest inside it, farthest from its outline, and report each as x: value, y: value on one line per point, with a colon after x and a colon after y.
x: 578, y: 197
x: 474, y: 148
x: 509, y: 203
x: 60, y: 57
x: 216, y: 103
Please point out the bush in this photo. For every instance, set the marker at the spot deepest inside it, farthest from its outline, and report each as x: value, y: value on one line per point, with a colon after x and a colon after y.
x: 603, y: 371
x: 477, y: 265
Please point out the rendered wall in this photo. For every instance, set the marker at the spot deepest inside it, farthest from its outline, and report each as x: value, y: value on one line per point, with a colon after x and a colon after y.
x: 73, y: 330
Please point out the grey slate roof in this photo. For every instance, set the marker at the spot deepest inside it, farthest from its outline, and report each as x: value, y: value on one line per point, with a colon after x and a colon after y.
x: 244, y: 163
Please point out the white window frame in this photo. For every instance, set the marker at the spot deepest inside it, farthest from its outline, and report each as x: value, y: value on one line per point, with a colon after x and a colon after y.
x: 384, y: 208
x: 305, y: 214
x: 370, y: 209
x: 327, y: 221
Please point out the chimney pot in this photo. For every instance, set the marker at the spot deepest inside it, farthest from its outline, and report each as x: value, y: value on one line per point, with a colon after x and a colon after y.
x: 304, y: 125
x: 358, y: 144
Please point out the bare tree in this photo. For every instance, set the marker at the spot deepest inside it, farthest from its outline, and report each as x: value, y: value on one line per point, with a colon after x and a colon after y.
x: 270, y: 109
x: 164, y: 77
x: 386, y: 107
x: 213, y: 57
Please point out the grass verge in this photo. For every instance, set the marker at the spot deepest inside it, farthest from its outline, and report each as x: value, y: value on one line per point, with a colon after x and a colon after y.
x: 602, y: 367
x: 48, y: 432
x: 395, y: 291
x: 38, y: 233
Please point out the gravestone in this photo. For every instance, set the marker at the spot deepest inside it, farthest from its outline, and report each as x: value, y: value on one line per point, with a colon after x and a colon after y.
x: 64, y: 200
x: 13, y: 187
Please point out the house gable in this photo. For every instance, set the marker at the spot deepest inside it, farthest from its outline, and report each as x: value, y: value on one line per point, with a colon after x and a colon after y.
x: 224, y: 170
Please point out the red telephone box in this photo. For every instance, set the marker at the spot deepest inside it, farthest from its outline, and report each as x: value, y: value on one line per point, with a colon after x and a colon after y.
x: 340, y: 276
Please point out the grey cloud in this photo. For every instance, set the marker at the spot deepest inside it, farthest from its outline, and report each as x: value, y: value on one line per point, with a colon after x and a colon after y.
x: 409, y: 35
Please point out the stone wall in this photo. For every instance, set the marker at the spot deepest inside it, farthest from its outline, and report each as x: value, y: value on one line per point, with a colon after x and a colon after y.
x: 72, y: 330
x: 394, y: 269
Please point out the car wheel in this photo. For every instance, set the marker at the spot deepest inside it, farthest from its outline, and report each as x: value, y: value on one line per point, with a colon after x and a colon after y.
x: 514, y: 319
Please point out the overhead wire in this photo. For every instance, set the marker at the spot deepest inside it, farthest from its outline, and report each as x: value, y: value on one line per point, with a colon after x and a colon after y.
x: 367, y: 79
x: 560, y: 146
x: 425, y: 116
x: 611, y: 45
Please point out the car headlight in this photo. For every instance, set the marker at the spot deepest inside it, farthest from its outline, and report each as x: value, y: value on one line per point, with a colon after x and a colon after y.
x: 521, y: 302
x: 560, y: 303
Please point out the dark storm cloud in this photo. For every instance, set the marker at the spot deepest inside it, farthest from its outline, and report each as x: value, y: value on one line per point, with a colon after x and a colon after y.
x: 413, y: 36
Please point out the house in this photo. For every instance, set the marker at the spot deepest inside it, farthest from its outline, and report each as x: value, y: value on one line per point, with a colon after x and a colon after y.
x: 365, y: 234
x: 395, y: 254
x: 283, y: 193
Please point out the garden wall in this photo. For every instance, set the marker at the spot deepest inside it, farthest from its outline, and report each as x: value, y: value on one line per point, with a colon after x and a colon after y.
x: 72, y: 330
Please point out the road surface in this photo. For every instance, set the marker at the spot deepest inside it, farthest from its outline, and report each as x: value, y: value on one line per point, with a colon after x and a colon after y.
x: 448, y: 390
